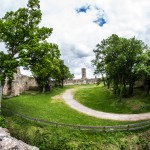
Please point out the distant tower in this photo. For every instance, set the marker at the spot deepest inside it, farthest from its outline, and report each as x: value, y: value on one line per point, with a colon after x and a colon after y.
x: 83, y: 73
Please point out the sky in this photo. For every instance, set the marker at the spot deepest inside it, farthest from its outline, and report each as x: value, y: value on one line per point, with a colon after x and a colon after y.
x: 78, y: 25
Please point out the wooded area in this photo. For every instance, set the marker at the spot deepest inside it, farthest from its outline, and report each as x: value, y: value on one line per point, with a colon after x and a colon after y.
x: 121, y: 62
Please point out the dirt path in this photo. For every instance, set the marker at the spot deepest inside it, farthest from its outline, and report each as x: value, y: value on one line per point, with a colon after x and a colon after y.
x: 68, y: 98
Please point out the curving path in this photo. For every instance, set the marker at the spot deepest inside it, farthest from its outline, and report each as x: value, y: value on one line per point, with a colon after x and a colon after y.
x: 68, y: 98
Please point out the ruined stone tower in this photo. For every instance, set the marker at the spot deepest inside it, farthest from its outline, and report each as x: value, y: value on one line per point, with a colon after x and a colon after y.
x: 83, y: 73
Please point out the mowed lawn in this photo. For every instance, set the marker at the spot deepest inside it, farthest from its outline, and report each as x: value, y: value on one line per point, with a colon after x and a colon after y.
x: 102, y: 99
x: 51, y: 107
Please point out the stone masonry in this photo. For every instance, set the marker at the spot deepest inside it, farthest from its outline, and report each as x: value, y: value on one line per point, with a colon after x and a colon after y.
x: 9, y: 143
x: 83, y: 80
x: 83, y: 73
x: 19, y: 84
x: 22, y: 83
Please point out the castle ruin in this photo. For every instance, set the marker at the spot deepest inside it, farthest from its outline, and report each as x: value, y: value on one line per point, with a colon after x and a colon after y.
x: 19, y: 84
x: 22, y: 83
x: 83, y: 70
x: 83, y: 80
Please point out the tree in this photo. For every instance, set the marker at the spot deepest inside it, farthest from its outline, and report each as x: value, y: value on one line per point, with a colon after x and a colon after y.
x: 7, y: 68
x: 19, y: 29
x: 143, y: 70
x: 43, y: 60
x: 118, y: 57
x: 64, y: 73
x: 26, y: 42
x: 99, y: 59
x: 21, y: 33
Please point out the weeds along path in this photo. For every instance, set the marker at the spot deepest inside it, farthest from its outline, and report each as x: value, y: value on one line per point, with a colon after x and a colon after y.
x: 69, y: 100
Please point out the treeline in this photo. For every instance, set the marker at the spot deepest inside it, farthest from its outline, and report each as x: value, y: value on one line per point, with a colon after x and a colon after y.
x: 26, y: 46
x: 121, y: 62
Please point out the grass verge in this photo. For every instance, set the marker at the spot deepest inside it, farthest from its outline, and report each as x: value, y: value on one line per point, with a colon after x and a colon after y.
x: 51, y: 107
x: 100, y: 98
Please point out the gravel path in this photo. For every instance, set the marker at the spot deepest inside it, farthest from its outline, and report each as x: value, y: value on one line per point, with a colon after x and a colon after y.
x: 68, y: 98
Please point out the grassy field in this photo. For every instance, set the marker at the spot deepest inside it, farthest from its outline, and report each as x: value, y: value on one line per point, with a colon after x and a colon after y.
x: 101, y: 98
x: 50, y: 106
x: 52, y: 138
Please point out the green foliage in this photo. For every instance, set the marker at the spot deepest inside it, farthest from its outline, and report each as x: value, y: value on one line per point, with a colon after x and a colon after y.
x: 43, y: 60
x: 46, y: 137
x: 48, y: 107
x: 63, y: 74
x: 102, y: 99
x: 7, y: 67
x: 2, y: 122
x: 51, y: 137
x: 20, y: 29
x: 143, y: 69
x: 26, y: 43
x: 118, y: 59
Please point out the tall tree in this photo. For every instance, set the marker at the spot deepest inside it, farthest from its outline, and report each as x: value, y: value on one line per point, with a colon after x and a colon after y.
x: 118, y: 57
x: 25, y: 41
x: 21, y: 33
x: 143, y: 70
x: 64, y: 73
x: 20, y: 29
x: 43, y: 60
x: 99, y: 59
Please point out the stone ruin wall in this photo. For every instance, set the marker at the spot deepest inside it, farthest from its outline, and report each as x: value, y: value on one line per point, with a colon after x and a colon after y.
x: 19, y: 84
x: 83, y: 80
x: 80, y: 81
x: 22, y: 83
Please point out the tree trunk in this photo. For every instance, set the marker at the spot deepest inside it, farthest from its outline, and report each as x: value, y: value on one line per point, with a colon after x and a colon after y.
x: 115, y: 88
x: 131, y: 88
x: 62, y: 83
x: 124, y: 89
x: 1, y: 94
x: 50, y: 87
x: 108, y: 85
x: 148, y: 88
x: 103, y: 80
x: 121, y: 89
x: 43, y: 90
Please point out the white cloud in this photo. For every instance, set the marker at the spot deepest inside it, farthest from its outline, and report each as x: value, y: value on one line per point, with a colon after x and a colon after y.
x: 77, y: 35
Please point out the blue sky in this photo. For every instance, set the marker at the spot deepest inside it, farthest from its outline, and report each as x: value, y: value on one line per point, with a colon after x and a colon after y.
x: 99, y: 18
x: 78, y: 25
x: 83, y: 9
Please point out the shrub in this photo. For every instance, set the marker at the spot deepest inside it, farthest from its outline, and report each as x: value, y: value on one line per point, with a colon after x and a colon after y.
x: 2, y: 122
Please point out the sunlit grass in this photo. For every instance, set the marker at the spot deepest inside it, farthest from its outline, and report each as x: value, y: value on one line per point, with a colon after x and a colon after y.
x: 102, y: 99
x: 51, y: 107
x: 43, y: 106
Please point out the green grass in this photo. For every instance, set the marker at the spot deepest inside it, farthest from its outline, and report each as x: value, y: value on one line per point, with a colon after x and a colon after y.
x: 100, y: 98
x: 42, y: 106
x: 48, y: 137
x: 52, y: 138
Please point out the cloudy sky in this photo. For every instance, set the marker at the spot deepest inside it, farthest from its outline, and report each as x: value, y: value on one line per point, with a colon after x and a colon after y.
x: 78, y: 25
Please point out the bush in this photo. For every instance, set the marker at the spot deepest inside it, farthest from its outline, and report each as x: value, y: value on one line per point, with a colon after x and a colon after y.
x: 2, y: 122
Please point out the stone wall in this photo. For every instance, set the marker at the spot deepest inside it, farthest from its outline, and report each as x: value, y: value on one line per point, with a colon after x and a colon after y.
x: 80, y: 81
x: 22, y: 83
x: 9, y: 143
x: 19, y: 84
x: 83, y: 80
